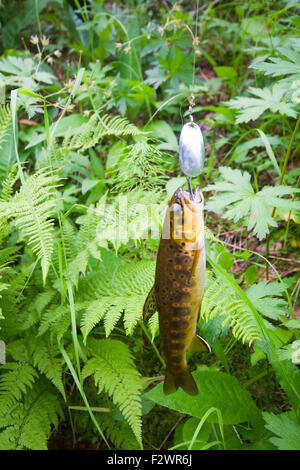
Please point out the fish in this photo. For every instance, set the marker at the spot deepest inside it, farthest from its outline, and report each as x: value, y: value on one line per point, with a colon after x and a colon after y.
x: 179, y: 287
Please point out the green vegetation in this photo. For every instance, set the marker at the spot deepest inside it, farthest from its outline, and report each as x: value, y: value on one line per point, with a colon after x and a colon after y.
x: 94, y: 96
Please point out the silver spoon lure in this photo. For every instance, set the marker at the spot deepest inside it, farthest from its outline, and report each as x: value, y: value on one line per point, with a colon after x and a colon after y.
x: 191, y: 149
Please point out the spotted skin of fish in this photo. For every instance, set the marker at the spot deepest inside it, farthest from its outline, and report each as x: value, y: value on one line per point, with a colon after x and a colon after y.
x: 179, y: 287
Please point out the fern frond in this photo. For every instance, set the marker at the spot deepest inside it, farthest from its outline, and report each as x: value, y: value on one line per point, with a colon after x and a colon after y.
x: 42, y: 299
x: 57, y: 318
x: 6, y: 255
x: 5, y: 195
x: 30, y: 208
x: 68, y: 233
x: 28, y: 423
x: 90, y: 133
x: 7, y: 185
x: 44, y: 359
x: 93, y: 314
x: 119, y: 433
x: 121, y: 289
x: 15, y: 378
x: 221, y: 300
x: 114, y: 371
x: 89, y: 224
x: 153, y: 325
x: 5, y: 121
x: 142, y: 165
x: 71, y: 257
x: 54, y: 156
x: 75, y: 258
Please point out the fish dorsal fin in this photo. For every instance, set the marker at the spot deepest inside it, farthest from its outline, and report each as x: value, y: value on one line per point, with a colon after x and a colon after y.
x: 199, y: 344
x: 150, y: 305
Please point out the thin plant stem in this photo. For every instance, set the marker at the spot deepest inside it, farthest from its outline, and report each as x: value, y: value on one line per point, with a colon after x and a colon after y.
x: 81, y: 390
x: 287, y: 155
x: 289, y: 218
x: 153, y: 345
x: 38, y: 18
x: 283, y: 171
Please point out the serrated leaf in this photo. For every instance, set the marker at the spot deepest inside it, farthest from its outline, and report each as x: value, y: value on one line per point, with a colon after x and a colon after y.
x: 266, y: 298
x: 277, y: 66
x: 249, y: 109
x: 236, y: 199
x: 287, y: 431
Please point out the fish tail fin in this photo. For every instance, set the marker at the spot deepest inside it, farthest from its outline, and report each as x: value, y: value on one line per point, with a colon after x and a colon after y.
x: 184, y: 379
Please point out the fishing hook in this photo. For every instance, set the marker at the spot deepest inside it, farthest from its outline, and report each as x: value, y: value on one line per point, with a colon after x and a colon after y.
x: 190, y: 187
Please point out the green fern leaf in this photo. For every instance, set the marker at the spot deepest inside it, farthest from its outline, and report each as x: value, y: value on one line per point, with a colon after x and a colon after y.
x: 5, y: 121
x: 122, y: 289
x: 89, y: 134
x: 120, y: 433
x: 30, y: 208
x: 142, y: 165
x: 7, y: 185
x: 220, y: 300
x: 153, y: 325
x: 44, y: 359
x: 114, y: 371
x: 15, y: 378
x: 56, y: 318
x: 32, y: 419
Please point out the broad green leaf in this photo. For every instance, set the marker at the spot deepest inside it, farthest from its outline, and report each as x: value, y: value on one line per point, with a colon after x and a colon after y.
x: 88, y: 184
x: 67, y: 123
x: 162, y: 130
x: 254, y: 25
x: 114, y: 154
x: 173, y: 184
x: 216, y: 389
x: 251, y: 274
x: 226, y: 72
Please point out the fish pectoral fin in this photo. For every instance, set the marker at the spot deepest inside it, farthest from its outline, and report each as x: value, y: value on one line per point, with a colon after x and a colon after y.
x: 199, y: 344
x: 150, y: 306
x: 161, y: 352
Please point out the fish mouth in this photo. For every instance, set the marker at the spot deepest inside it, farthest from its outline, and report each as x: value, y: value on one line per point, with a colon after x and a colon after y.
x: 183, y: 197
x: 186, y: 215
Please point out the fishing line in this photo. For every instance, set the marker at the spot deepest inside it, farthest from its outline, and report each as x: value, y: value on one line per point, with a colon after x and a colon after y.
x: 191, y: 101
x: 196, y: 31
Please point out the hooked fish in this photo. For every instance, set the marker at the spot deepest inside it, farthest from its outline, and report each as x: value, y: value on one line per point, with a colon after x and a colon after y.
x: 179, y: 286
